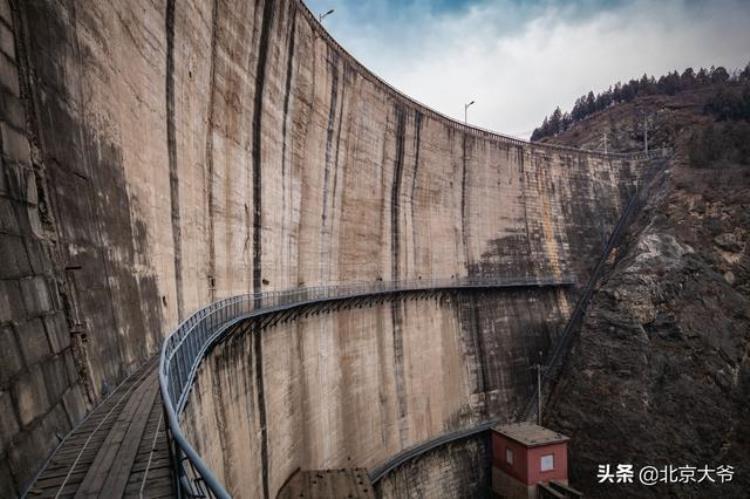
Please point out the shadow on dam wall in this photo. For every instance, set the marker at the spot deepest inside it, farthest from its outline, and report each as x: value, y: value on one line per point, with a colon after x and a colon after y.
x: 160, y: 155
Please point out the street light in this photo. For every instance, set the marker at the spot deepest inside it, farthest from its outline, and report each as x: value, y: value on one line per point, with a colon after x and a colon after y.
x: 466, y: 112
x: 323, y: 16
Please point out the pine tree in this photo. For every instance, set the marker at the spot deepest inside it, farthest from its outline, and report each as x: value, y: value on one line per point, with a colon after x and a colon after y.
x: 734, y: 104
x: 644, y: 86
x: 719, y: 75
x: 687, y: 79
x: 702, y: 77
x: 590, y: 103
x: 555, y: 122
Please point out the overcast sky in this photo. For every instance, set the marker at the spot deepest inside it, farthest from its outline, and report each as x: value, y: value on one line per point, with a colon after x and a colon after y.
x: 519, y: 59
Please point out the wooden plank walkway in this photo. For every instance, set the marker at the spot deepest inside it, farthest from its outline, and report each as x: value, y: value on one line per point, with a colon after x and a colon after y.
x: 119, y: 450
x: 343, y: 483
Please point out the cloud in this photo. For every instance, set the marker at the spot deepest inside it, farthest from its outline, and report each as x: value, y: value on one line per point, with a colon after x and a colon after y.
x: 519, y: 60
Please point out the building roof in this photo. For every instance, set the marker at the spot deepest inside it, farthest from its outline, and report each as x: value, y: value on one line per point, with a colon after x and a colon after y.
x: 530, y: 434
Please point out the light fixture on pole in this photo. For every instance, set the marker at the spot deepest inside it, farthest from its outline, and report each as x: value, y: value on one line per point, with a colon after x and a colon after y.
x: 538, y: 368
x: 466, y: 112
x: 323, y: 16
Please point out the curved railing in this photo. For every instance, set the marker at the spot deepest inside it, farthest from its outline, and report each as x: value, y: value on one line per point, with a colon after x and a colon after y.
x: 423, y: 448
x: 184, y: 349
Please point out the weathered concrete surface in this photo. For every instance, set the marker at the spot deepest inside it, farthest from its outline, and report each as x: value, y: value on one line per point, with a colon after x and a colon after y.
x: 184, y: 151
x: 354, y: 387
x: 457, y: 470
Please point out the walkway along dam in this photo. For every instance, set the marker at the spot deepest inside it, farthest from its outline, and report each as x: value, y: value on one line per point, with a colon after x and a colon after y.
x: 159, y: 157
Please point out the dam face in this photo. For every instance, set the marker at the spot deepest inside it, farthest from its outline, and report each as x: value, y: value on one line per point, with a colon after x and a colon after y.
x: 358, y: 385
x: 160, y: 155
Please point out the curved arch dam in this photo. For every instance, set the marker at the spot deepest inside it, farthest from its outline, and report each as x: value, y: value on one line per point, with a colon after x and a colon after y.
x: 160, y: 155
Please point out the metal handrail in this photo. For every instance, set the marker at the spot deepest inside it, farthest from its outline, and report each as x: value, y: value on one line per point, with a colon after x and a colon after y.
x: 184, y: 349
x: 395, y: 461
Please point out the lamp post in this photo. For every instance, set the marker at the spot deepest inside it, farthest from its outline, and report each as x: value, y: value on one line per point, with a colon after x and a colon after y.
x: 323, y: 16
x: 466, y: 112
x: 538, y: 368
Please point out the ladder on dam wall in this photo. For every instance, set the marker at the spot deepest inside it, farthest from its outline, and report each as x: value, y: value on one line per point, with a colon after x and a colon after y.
x: 556, y: 360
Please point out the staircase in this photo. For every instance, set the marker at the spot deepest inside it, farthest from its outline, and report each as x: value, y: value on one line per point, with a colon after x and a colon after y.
x: 556, y: 360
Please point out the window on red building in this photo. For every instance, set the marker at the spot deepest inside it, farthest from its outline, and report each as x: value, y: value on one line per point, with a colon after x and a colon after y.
x: 548, y: 462
x: 509, y: 455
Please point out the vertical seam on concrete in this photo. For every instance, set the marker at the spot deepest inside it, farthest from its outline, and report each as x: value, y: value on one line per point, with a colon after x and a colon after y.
x: 258, y: 347
x: 260, y: 81
x: 398, y: 369
x: 338, y: 147
x: 305, y: 113
x: 174, y: 186
x: 210, y: 152
x: 418, y: 133
x: 478, y: 330
x: 382, y: 219
x: 463, y: 206
x: 398, y: 169
x: 285, y: 118
x: 326, y: 241
x: 219, y: 411
x: 524, y: 197
x: 396, y: 318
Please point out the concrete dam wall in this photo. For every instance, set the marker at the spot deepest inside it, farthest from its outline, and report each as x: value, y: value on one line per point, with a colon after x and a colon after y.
x: 158, y: 155
x: 356, y: 386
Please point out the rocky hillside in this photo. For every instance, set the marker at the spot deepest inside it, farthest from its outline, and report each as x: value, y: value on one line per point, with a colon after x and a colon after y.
x: 669, y: 119
x: 659, y: 373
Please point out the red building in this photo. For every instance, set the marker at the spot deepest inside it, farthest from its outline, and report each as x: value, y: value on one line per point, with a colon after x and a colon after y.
x: 529, y: 461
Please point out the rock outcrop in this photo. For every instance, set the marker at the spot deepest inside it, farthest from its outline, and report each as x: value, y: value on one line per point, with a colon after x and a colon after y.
x: 660, y: 371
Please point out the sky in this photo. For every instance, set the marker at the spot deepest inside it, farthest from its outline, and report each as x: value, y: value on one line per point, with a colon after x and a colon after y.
x: 520, y: 59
